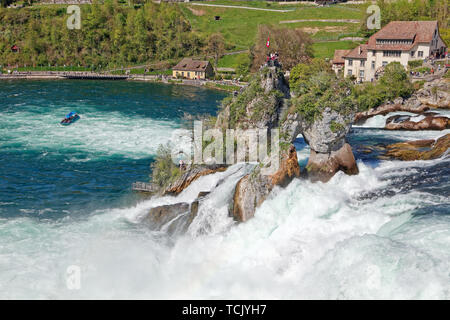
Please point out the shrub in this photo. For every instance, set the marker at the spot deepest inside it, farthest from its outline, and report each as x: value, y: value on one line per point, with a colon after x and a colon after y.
x: 394, y: 83
x: 164, y: 171
x: 415, y: 63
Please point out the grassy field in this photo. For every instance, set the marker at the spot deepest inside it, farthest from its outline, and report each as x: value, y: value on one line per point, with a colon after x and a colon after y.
x: 232, y: 60
x: 239, y: 26
x: 326, y: 49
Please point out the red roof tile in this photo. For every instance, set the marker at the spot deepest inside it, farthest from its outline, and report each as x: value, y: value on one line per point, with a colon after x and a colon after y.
x: 339, y: 56
x: 360, y: 52
x: 416, y: 31
x: 188, y: 64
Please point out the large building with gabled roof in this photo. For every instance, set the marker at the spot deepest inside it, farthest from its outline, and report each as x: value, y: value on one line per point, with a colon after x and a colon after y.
x: 400, y: 41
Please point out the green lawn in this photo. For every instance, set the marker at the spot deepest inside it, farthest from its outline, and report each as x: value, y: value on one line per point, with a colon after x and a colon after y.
x: 232, y: 60
x: 239, y: 26
x: 326, y: 49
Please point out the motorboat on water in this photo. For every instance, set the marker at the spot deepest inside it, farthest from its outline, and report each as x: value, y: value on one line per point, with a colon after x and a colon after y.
x: 70, y: 118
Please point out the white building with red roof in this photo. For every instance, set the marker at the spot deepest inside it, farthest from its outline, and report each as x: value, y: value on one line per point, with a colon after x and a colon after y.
x: 400, y: 41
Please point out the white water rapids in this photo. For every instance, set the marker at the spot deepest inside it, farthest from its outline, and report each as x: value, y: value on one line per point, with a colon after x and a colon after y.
x: 310, y: 240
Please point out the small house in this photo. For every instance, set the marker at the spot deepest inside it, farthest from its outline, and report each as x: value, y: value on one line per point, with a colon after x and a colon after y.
x: 338, y: 61
x: 193, y: 69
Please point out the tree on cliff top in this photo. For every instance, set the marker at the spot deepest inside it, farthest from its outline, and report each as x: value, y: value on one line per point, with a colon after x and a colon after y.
x: 293, y: 46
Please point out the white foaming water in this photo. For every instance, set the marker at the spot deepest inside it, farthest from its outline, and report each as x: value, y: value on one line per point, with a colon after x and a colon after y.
x: 310, y: 240
x: 96, y: 134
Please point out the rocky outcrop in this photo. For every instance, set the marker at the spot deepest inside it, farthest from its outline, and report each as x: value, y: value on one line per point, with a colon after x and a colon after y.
x: 434, y: 94
x: 191, y: 175
x: 254, y: 188
x: 427, y: 121
x: 419, y: 149
x: 249, y: 193
x: 328, y: 133
x: 259, y: 105
x: 323, y: 166
x: 168, y: 216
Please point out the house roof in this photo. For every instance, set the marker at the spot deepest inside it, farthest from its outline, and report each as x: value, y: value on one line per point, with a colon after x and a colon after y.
x: 339, y: 56
x: 360, y: 52
x: 188, y: 64
x: 417, y: 31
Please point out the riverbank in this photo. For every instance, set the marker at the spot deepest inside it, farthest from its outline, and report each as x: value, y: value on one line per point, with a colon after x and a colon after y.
x: 224, y: 85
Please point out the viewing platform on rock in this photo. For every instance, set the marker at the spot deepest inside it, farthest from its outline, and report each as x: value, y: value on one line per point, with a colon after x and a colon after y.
x: 144, y: 187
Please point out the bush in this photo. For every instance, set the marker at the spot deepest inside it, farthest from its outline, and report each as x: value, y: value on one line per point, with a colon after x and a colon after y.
x: 164, y: 171
x: 394, y: 83
x: 415, y: 63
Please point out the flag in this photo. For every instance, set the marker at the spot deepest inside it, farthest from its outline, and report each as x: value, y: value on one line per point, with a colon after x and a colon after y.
x: 268, y: 42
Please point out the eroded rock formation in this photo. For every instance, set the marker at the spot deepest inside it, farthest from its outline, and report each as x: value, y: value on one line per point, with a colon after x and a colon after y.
x: 427, y: 121
x: 419, y: 149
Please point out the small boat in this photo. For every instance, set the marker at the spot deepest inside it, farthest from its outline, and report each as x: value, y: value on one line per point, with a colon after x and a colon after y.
x: 70, y: 118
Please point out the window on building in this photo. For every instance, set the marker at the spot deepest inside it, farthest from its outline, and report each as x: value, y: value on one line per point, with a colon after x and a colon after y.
x: 373, y: 64
x: 363, y: 62
x: 361, y: 73
x: 412, y: 53
x: 392, y: 53
x: 350, y: 62
x: 384, y: 63
x: 349, y: 72
x: 182, y: 73
x: 420, y: 53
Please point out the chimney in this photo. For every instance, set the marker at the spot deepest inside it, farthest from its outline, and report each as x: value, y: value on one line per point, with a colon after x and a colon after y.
x: 359, y: 49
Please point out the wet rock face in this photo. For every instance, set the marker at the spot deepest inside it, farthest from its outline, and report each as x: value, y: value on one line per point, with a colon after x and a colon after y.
x: 249, y: 193
x: 253, y: 189
x: 419, y: 149
x: 328, y: 133
x: 323, y: 166
x: 190, y: 176
x: 427, y: 121
x: 177, y: 217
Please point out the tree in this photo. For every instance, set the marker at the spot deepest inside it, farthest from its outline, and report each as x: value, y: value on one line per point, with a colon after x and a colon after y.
x: 216, y: 46
x: 293, y: 46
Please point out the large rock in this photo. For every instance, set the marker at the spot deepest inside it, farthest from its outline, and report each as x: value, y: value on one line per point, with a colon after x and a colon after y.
x: 429, y: 122
x: 419, y: 149
x: 323, y: 166
x: 191, y: 175
x: 166, y: 216
x: 328, y: 133
x: 253, y: 188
